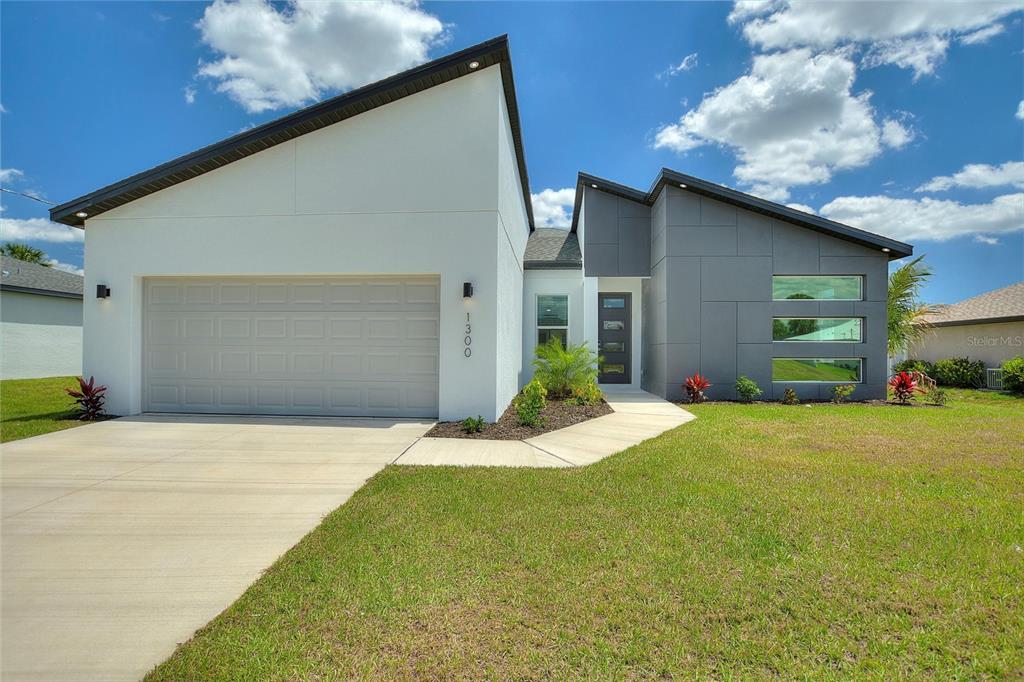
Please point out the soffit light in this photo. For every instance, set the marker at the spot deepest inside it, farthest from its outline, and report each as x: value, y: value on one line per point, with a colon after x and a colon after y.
x: 81, y: 214
x: 682, y: 186
x: 474, y: 65
x: 885, y: 250
x: 593, y: 185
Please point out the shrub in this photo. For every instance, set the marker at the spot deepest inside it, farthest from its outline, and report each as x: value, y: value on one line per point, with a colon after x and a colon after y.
x: 789, y: 397
x: 473, y: 424
x: 922, y: 366
x: 959, y: 372
x: 530, y: 403
x: 1013, y: 375
x: 695, y: 387
x: 841, y: 392
x: 560, y: 370
x: 89, y: 398
x: 903, y: 386
x: 936, y: 396
x: 588, y: 394
x: 747, y: 389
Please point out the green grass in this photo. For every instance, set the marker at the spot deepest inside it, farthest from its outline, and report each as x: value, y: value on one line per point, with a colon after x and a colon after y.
x: 758, y: 541
x: 29, y: 407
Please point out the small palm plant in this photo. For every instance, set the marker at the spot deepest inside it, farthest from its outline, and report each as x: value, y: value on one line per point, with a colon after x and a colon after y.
x: 561, y: 370
x: 908, y: 320
x: 24, y: 252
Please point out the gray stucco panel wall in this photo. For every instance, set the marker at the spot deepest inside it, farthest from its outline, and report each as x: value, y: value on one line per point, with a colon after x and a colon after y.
x: 708, y: 304
x: 617, y: 235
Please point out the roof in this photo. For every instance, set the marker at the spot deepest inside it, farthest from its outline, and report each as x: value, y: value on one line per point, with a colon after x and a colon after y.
x: 894, y: 248
x: 552, y: 248
x: 1001, y: 305
x: 321, y: 115
x: 32, y: 278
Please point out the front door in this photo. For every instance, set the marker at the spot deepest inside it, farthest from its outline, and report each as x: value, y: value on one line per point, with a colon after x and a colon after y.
x: 613, y: 338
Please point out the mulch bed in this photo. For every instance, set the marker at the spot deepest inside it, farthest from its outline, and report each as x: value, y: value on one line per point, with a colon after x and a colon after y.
x: 557, y: 415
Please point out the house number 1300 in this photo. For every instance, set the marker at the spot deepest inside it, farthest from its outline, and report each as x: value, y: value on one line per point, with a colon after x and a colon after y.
x: 469, y: 339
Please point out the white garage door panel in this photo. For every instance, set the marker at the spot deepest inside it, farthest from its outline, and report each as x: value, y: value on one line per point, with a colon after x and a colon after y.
x: 330, y: 346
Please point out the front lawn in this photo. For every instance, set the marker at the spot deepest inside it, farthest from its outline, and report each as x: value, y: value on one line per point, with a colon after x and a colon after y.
x: 757, y: 541
x: 29, y: 407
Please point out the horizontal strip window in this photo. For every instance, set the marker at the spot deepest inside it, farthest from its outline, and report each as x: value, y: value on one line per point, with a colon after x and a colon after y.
x: 818, y: 329
x: 817, y: 287
x: 818, y: 370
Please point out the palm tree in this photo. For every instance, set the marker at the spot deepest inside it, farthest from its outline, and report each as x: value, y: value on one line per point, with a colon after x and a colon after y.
x: 24, y: 252
x: 907, y: 314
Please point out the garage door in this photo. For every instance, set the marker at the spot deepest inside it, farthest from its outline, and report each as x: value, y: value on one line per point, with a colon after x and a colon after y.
x: 363, y: 346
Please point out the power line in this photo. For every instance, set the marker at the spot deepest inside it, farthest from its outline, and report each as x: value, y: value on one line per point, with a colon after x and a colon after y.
x: 30, y: 196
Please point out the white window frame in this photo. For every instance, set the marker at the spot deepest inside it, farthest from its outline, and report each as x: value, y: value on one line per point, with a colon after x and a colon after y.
x: 536, y: 315
x: 860, y: 286
x: 860, y: 374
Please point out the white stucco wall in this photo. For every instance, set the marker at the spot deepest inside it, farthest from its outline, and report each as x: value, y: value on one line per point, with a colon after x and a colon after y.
x: 409, y: 188
x: 993, y: 344
x: 40, y: 336
x: 557, y: 283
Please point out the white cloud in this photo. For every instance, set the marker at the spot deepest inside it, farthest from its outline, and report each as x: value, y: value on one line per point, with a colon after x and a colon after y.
x: 895, y: 134
x: 802, y: 207
x: 9, y: 175
x: 269, y: 58
x: 190, y: 94
x: 982, y: 239
x: 689, y: 61
x: 553, y: 207
x: 923, y: 54
x: 3, y: 109
x: 928, y: 219
x: 911, y: 35
x: 793, y: 120
x: 982, y: 35
x: 978, y: 175
x: 162, y: 18
x: 39, y: 230
x: 66, y: 267
x: 1020, y: 110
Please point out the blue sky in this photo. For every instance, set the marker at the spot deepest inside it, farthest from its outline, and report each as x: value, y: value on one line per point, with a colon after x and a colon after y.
x: 906, y: 120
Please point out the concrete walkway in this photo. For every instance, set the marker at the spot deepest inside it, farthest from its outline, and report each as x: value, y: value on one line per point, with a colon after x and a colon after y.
x: 122, y: 538
x: 637, y: 416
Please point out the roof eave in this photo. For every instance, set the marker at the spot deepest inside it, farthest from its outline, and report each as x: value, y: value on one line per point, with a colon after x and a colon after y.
x: 40, y: 292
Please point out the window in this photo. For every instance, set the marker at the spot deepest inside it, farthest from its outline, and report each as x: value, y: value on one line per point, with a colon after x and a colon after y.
x: 820, y: 370
x: 817, y: 287
x: 613, y: 303
x: 552, y: 319
x: 848, y: 329
x: 613, y: 369
x: 614, y: 325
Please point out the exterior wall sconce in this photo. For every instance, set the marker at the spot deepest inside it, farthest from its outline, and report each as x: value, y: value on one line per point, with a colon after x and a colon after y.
x: 102, y: 291
x: 467, y: 290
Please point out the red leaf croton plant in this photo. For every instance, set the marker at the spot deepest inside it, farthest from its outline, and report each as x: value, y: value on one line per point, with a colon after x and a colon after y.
x: 695, y: 387
x: 90, y: 398
x: 903, y: 386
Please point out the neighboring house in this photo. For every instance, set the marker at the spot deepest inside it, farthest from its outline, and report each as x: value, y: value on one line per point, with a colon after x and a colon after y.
x: 375, y: 254
x: 40, y: 321
x: 988, y: 327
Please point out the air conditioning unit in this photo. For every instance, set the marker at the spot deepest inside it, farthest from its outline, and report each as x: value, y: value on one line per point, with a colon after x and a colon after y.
x: 994, y: 379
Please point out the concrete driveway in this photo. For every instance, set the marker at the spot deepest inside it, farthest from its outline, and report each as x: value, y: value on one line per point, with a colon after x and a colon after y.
x: 120, y: 539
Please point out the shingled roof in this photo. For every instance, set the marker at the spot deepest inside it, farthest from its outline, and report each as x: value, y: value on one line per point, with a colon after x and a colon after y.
x: 32, y: 278
x: 1001, y: 305
x: 551, y: 248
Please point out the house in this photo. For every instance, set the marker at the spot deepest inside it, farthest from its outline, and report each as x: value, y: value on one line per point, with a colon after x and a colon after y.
x: 988, y: 327
x: 375, y: 255
x: 40, y: 321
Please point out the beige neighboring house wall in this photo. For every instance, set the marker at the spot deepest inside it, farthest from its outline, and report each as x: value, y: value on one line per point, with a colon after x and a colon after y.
x: 988, y: 327
x: 993, y: 344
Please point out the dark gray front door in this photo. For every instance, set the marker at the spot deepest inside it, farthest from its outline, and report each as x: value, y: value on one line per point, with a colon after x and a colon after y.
x: 613, y: 336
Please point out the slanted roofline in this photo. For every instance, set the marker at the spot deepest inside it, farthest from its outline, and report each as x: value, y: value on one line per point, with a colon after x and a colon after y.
x: 315, y: 117
x: 667, y: 176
